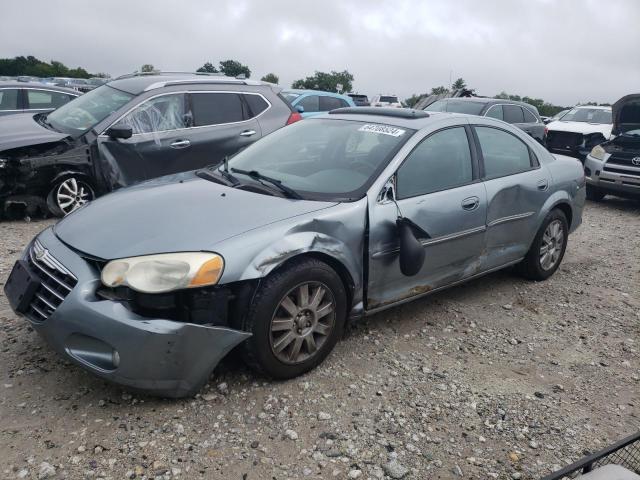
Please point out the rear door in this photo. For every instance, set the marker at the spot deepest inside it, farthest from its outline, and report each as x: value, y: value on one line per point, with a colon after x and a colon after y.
x: 223, y: 123
x: 437, y: 188
x: 516, y: 187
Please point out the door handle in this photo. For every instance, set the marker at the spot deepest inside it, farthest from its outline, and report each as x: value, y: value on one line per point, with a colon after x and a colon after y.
x: 543, y: 184
x: 180, y: 144
x: 470, y: 203
x: 247, y: 133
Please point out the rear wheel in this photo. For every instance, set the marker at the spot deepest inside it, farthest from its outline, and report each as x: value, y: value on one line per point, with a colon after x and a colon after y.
x: 594, y: 193
x: 296, y: 318
x: 547, y: 249
x: 69, y: 194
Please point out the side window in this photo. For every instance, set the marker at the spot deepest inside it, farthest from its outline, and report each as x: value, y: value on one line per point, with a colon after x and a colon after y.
x: 216, y: 108
x: 310, y: 103
x: 441, y: 161
x: 495, y: 112
x: 329, y: 103
x: 529, y: 117
x: 343, y: 103
x: 9, y: 99
x: 503, y: 153
x: 37, y: 99
x: 512, y: 114
x: 158, y: 114
x: 256, y: 103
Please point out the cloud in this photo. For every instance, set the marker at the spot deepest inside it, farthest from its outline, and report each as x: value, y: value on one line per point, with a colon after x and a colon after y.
x: 562, y: 51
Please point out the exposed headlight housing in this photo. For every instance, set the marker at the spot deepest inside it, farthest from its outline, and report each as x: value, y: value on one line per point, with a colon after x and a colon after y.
x: 598, y: 153
x: 164, y: 272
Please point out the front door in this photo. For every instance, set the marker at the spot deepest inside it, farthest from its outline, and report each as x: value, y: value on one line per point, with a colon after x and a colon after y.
x: 157, y: 147
x: 437, y: 188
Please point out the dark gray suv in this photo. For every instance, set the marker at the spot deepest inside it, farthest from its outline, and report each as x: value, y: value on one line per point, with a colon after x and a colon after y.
x: 519, y: 114
x: 132, y: 129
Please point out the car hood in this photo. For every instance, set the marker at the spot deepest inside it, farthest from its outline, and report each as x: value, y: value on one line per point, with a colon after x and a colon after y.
x: 580, y: 127
x: 22, y: 130
x: 172, y: 214
x: 626, y: 114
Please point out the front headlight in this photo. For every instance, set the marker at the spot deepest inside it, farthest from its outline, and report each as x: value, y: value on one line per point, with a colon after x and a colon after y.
x: 3, y: 163
x: 164, y: 272
x: 598, y: 152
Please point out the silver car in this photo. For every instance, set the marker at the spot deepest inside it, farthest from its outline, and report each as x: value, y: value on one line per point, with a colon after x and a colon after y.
x: 272, y: 251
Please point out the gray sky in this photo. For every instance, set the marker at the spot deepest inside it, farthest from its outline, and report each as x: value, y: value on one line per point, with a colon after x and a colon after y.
x: 564, y: 51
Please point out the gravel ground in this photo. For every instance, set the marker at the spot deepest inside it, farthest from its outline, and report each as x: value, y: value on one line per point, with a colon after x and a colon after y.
x: 499, y: 378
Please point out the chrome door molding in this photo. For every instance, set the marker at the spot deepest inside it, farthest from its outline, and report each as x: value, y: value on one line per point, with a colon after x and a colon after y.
x: 510, y: 218
x: 433, y: 241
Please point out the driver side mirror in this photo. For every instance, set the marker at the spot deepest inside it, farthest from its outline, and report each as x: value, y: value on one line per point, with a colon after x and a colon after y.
x: 119, y: 131
x: 300, y: 108
x: 412, y: 254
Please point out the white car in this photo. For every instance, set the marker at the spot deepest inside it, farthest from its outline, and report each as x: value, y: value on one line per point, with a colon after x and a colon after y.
x: 579, y: 130
x: 386, y: 101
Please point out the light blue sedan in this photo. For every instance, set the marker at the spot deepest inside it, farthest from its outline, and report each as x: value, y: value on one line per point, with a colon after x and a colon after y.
x: 314, y: 102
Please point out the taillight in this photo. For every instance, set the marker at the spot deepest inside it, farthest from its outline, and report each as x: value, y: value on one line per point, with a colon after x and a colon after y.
x: 293, y: 118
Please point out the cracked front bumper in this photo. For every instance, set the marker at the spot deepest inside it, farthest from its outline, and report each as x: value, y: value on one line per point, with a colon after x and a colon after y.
x: 163, y: 357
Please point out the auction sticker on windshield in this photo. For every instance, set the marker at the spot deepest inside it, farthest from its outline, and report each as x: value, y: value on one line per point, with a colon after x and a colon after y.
x: 383, y: 129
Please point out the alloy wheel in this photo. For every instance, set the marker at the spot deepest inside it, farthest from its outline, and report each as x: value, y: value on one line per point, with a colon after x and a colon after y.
x: 302, y: 322
x: 71, y: 194
x: 552, y: 244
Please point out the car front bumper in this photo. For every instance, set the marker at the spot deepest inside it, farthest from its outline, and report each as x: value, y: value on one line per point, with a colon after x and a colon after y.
x: 163, y: 357
x: 611, y: 178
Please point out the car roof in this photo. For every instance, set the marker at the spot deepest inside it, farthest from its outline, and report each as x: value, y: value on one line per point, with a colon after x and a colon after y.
x: 596, y: 107
x: 138, y: 83
x: 38, y: 85
x: 302, y: 91
x: 488, y: 100
x: 397, y: 117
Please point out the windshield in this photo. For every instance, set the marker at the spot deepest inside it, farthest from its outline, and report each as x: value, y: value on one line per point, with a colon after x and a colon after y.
x: 84, y: 112
x: 324, y: 159
x: 588, y: 115
x: 389, y: 99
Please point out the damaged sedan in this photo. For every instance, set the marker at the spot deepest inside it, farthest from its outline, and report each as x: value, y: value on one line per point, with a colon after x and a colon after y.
x: 274, y: 249
x: 134, y: 128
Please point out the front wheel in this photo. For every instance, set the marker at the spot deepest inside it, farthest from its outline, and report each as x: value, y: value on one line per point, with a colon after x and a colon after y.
x: 296, y: 318
x: 69, y: 194
x: 548, y: 247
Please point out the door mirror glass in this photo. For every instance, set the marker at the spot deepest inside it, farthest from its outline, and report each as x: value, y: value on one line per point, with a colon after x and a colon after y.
x: 300, y: 108
x: 119, y: 131
x: 412, y: 252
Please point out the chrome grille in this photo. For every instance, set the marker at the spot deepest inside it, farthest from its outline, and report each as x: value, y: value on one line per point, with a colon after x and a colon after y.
x: 56, y: 281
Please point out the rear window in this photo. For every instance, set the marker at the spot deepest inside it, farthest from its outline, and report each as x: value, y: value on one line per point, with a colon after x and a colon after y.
x: 216, y: 108
x: 389, y: 99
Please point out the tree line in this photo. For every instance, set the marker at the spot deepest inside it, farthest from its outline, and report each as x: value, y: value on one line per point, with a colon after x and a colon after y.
x: 32, y: 66
x: 333, y: 81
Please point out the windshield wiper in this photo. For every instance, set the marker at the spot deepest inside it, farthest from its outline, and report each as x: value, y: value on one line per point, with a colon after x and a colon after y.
x: 289, y: 192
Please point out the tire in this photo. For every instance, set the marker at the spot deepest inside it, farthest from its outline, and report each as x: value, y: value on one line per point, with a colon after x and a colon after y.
x: 595, y: 194
x: 535, y: 265
x: 273, y: 352
x: 68, y: 194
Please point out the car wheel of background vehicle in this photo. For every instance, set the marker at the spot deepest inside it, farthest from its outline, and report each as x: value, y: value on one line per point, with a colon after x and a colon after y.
x: 296, y: 318
x: 548, y: 247
x: 69, y: 194
x: 595, y: 194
